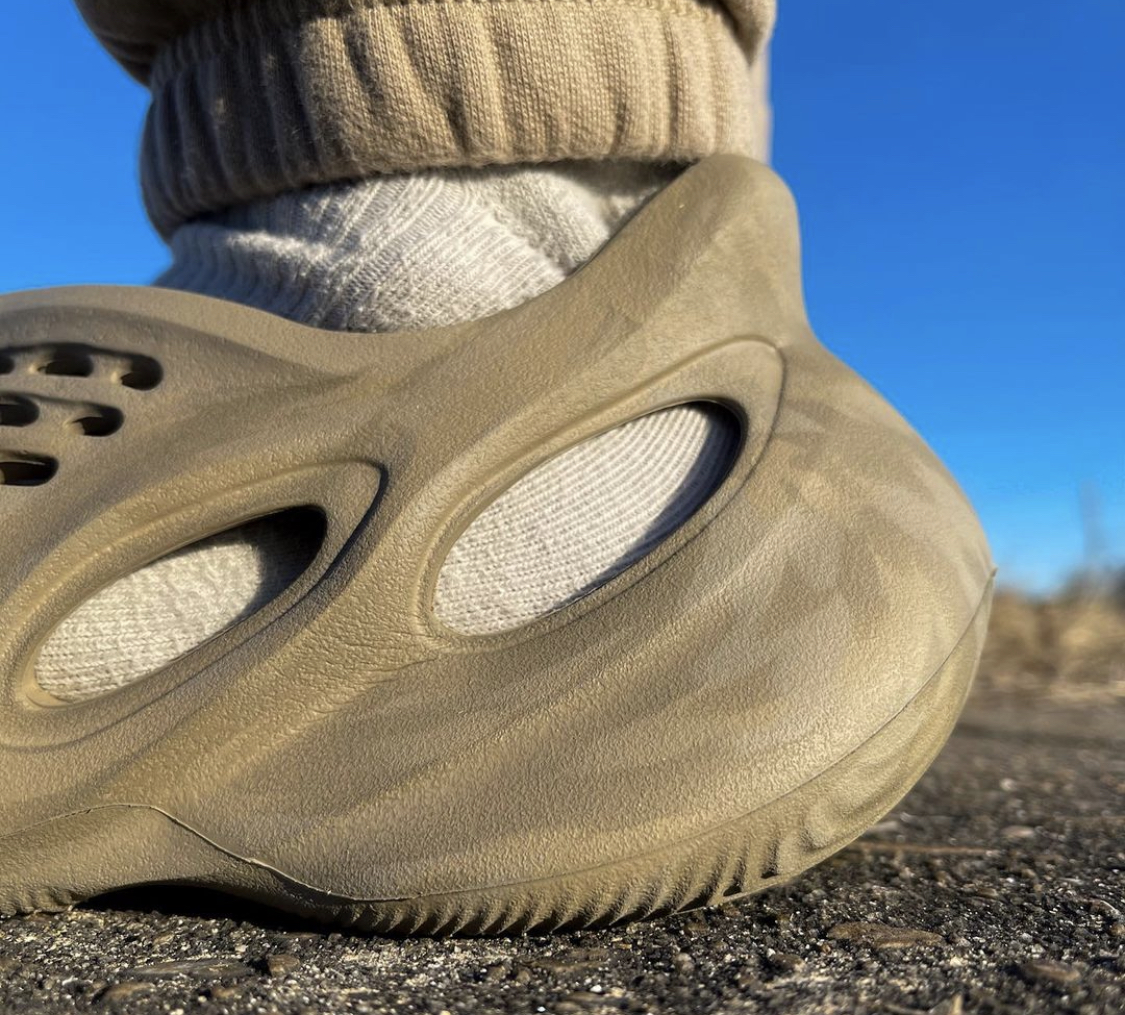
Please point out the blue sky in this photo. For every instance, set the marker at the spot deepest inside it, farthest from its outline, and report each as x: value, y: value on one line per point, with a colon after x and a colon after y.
x: 960, y: 169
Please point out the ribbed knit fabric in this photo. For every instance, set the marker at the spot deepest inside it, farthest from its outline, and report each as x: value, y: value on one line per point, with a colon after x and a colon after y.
x: 400, y: 253
x: 254, y: 98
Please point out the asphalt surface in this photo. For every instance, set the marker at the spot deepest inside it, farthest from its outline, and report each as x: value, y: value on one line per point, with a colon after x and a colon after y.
x: 997, y: 886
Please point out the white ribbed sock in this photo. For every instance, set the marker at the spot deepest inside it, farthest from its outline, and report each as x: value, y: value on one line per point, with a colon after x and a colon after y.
x: 399, y: 253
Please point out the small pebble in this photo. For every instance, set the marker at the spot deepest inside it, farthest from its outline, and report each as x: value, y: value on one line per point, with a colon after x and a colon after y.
x: 1049, y: 971
x: 683, y: 963
x: 784, y: 962
x: 1103, y: 908
x: 282, y: 965
x: 127, y: 988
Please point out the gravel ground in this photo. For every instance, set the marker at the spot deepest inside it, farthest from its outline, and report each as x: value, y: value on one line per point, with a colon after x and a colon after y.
x: 997, y: 886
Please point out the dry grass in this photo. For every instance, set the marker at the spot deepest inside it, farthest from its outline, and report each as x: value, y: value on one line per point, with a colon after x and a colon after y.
x: 1071, y: 643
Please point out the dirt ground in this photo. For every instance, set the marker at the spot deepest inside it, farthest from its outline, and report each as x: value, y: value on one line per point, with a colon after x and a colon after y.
x: 997, y: 886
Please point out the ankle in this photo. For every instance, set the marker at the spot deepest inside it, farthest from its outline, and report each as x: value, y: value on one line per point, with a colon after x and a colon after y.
x: 412, y: 251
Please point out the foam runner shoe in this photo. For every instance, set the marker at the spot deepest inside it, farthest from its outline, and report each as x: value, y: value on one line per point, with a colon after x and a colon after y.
x: 743, y: 701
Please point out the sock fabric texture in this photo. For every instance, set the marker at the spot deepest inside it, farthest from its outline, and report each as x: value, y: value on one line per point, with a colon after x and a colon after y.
x: 400, y: 253
x: 411, y: 251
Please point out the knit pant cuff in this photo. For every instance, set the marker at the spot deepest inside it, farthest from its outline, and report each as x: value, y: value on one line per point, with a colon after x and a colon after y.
x: 269, y: 98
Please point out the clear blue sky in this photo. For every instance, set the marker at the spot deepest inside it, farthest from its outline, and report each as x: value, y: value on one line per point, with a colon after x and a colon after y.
x: 960, y: 169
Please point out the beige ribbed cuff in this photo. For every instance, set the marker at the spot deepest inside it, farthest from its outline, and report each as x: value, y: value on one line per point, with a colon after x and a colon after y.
x: 270, y: 95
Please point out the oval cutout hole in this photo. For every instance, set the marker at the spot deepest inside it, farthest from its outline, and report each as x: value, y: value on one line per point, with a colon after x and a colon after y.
x: 98, y: 421
x: 145, y: 620
x: 17, y: 411
x: 7, y: 364
x: 68, y: 363
x: 26, y: 470
x: 142, y: 374
x: 573, y: 523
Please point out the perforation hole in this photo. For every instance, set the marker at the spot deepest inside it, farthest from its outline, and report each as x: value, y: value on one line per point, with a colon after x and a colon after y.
x: 26, y: 470
x: 7, y: 364
x: 97, y: 421
x: 67, y: 362
x: 142, y: 374
x: 16, y: 411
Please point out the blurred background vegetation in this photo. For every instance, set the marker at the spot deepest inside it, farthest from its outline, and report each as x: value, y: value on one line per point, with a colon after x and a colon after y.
x: 1070, y: 643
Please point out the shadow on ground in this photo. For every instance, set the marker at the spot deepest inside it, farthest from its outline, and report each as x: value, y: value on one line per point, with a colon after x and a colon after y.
x: 997, y: 886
